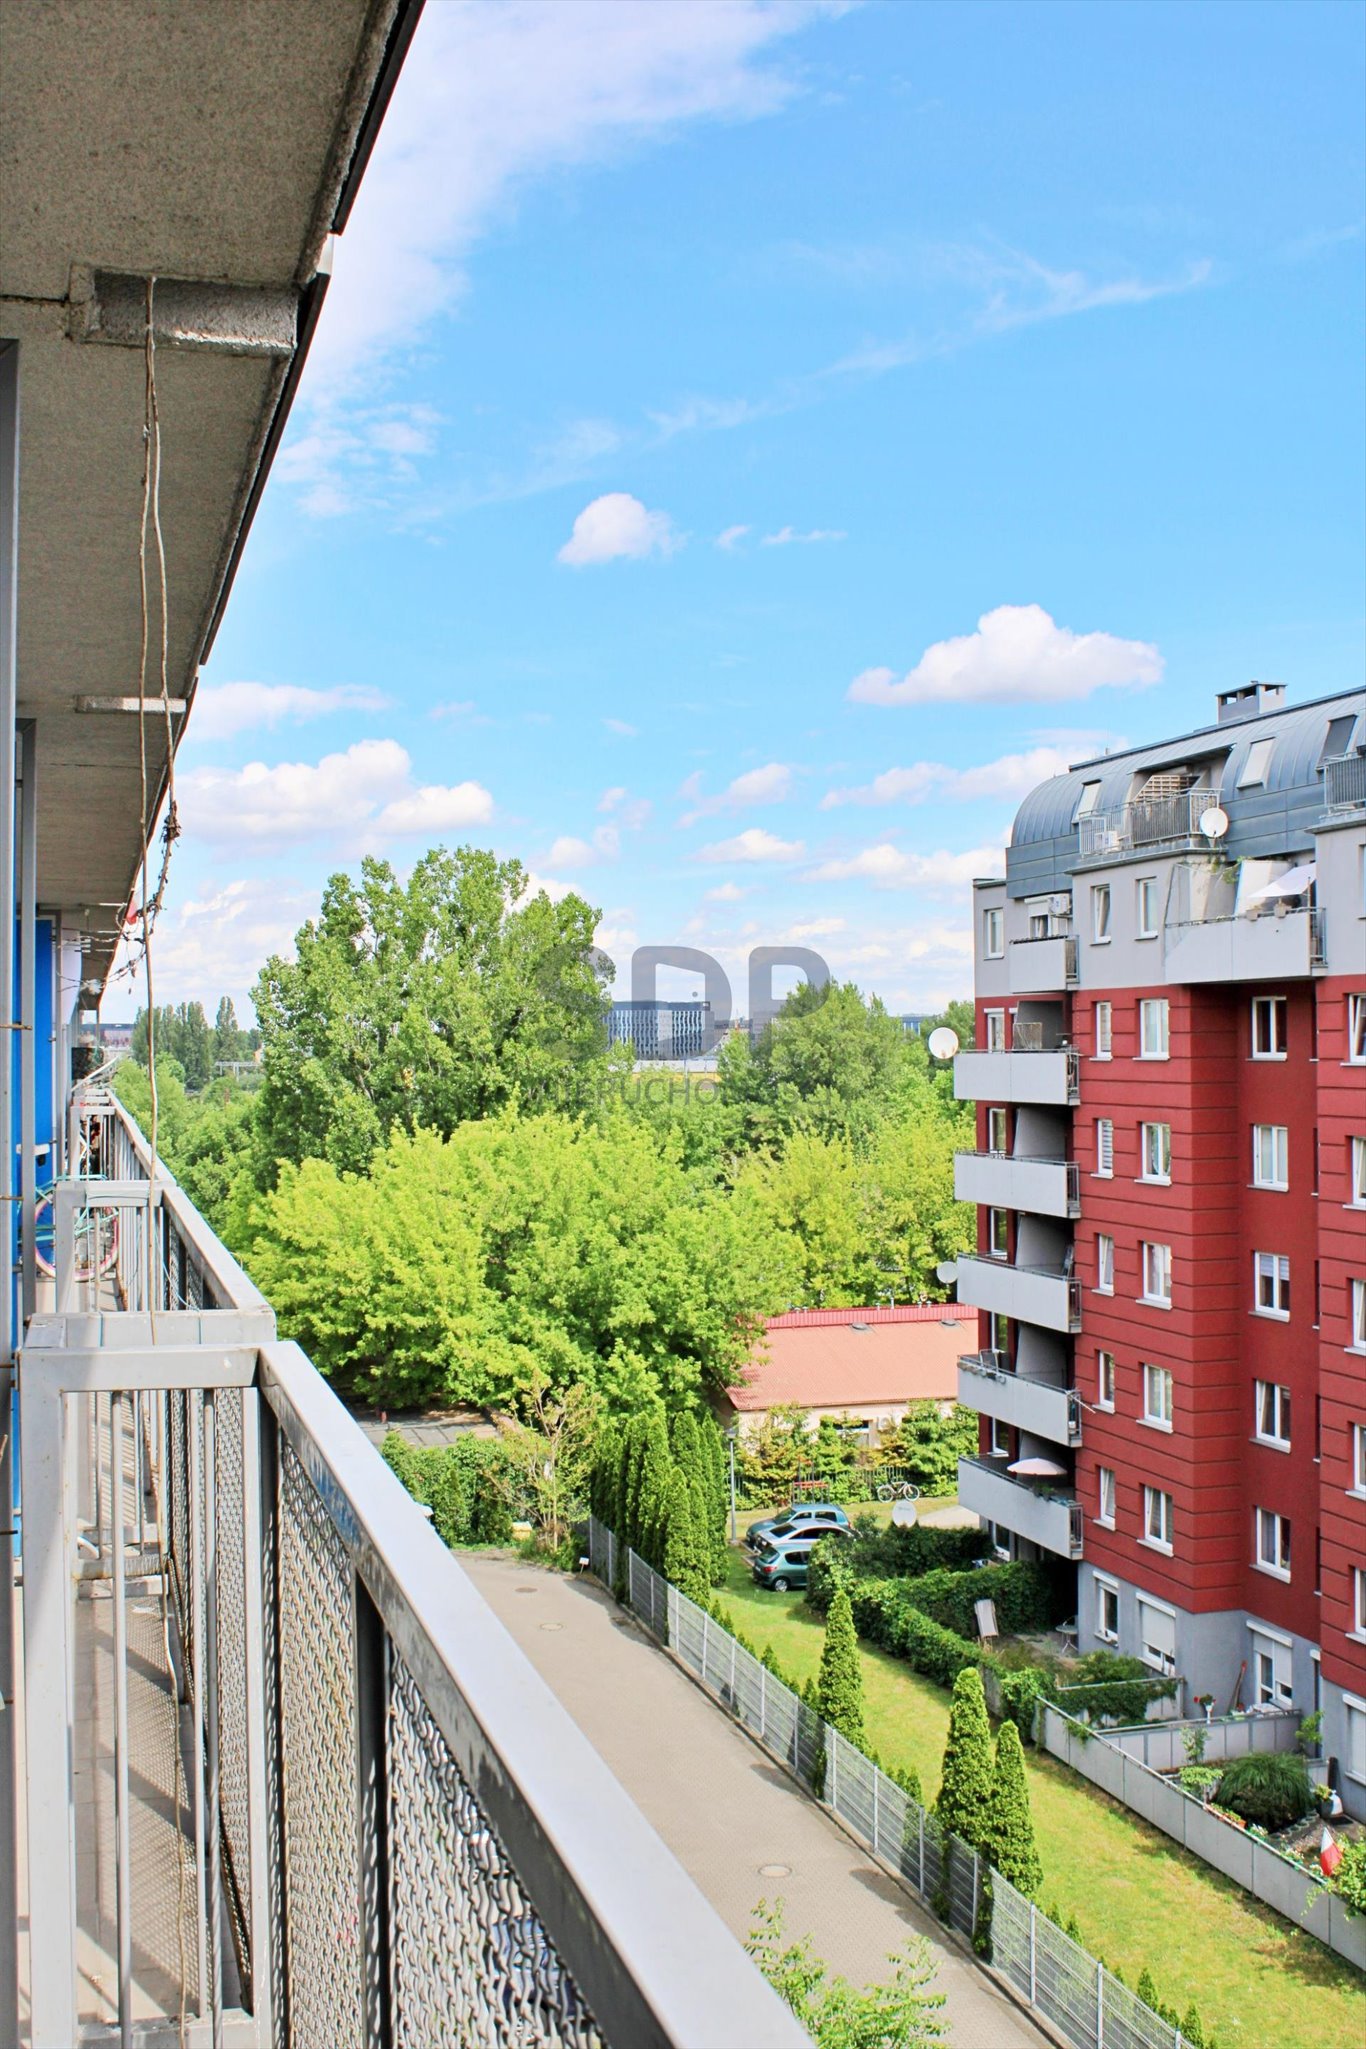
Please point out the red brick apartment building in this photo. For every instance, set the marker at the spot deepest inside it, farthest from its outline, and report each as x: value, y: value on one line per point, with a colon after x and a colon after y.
x: 1170, y: 1175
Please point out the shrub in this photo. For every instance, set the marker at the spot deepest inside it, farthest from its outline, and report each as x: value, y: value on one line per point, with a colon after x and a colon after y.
x: 1348, y: 1882
x: 840, y: 1687
x: 459, y: 1482
x: 1008, y: 1831
x: 1107, y: 1688
x: 1023, y: 1593
x: 965, y: 1788
x: 1268, y: 1788
x: 907, y: 1551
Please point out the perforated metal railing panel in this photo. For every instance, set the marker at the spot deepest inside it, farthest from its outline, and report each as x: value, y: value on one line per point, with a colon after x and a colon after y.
x: 318, y: 1727
x: 473, y: 1967
x: 234, y: 1745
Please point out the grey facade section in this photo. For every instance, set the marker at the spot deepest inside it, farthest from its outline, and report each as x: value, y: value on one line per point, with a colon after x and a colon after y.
x: 1334, y: 1700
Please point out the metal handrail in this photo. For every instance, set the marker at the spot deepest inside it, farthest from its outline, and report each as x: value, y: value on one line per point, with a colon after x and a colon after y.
x: 1158, y: 822
x: 1026, y: 1485
x: 1344, y: 782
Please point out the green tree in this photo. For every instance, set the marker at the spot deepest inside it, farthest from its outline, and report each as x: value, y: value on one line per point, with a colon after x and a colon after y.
x: 718, y: 1474
x: 965, y: 1787
x: 549, y: 1452
x: 427, y: 1003
x: 1008, y: 1828
x: 1193, y: 2028
x: 898, y: 2014
x: 840, y: 1685
x: 829, y: 1063
x: 683, y: 1558
x: 229, y: 1041
x: 651, y: 1503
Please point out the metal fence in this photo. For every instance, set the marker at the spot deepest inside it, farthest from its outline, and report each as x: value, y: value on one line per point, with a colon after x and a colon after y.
x: 1087, y: 2005
x: 1282, y: 1882
x: 385, y: 1829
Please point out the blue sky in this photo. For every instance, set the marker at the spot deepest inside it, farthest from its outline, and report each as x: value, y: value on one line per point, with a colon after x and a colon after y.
x: 747, y: 446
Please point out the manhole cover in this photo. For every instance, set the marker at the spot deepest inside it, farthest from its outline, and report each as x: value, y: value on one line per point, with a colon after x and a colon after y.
x: 775, y: 1871
x: 526, y: 1590
x: 550, y: 1625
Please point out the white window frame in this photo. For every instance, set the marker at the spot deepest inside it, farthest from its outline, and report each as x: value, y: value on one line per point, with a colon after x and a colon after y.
x: 1274, y: 1685
x: 1159, y: 1175
x: 1106, y: 1496
x: 1271, y: 1413
x: 1158, y: 1381
x: 1356, y: 1173
x: 1164, y: 1517
x: 1154, y: 1028
x: 1154, y: 1268
x: 993, y: 933
x: 1354, y: 1749
x: 993, y: 1231
x: 1358, y: 1443
x: 1105, y: 1031
x: 1275, y: 1140
x: 1356, y: 1297
x: 1356, y: 1029
x: 1147, y: 910
x: 1105, y: 1263
x: 1271, y: 1286
x: 1087, y: 801
x: 999, y: 1431
x: 1252, y: 775
x: 1271, y: 1542
x: 1107, y: 1591
x: 993, y: 1115
x: 1105, y: 1381
x: 995, y: 1023
x: 1358, y: 1628
x: 1272, y: 1012
x: 1105, y: 1148
x: 1100, y: 914
x: 1156, y: 1656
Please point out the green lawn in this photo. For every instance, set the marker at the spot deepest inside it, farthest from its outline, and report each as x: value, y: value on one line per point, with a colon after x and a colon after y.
x: 1137, y: 1897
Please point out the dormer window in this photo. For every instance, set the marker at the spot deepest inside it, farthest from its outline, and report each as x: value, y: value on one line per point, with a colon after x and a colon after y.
x: 1087, y: 802
x: 1252, y: 775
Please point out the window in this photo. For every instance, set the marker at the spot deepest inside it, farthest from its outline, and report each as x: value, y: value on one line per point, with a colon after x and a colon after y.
x: 1105, y: 1503
x: 1354, y: 1763
x: 996, y: 1030
x: 1156, y: 1152
x: 1356, y: 1173
x: 1105, y: 1265
x: 1039, y: 925
x: 1157, y: 1519
x: 1268, y: 1028
x: 1358, y: 1314
x: 1254, y: 769
x: 1157, y: 1634
x: 1100, y: 913
x: 1358, y: 1458
x: 1000, y: 1438
x: 1272, y: 1412
x: 1271, y: 1670
x: 1087, y: 802
x: 1356, y: 1030
x: 1105, y: 1147
x: 998, y: 1131
x: 1104, y: 1030
x: 1154, y: 1028
x: 1105, y: 1384
x: 1270, y: 1156
x: 993, y: 934
x: 1273, y: 1542
x: 1358, y: 1601
x: 1157, y: 1396
x: 1270, y: 1284
x: 1107, y: 1611
x: 1338, y: 738
x: 1000, y: 1332
x: 998, y: 1233
x: 1157, y: 1274
x: 1147, y: 907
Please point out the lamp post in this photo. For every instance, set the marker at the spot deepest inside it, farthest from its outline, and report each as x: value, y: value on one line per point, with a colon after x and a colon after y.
x: 730, y: 1442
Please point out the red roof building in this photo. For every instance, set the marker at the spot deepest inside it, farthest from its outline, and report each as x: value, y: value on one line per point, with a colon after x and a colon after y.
x: 866, y: 1365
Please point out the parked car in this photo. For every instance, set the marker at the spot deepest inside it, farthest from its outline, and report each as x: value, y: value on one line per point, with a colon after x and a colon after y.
x: 781, y: 1566
x: 799, y: 1512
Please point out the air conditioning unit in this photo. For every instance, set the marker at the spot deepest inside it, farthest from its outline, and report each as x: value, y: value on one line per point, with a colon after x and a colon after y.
x: 1060, y: 906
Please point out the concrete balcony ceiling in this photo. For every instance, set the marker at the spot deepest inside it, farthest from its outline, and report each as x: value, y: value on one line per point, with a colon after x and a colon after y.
x: 217, y: 149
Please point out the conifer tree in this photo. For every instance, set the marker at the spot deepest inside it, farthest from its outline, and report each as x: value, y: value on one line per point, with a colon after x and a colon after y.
x: 632, y: 1453
x: 681, y: 1553
x: 840, y: 1686
x: 714, y: 1455
x: 1193, y: 2028
x: 965, y: 1788
x: 652, y: 1505
x: 1008, y: 1834
x: 1147, y: 1990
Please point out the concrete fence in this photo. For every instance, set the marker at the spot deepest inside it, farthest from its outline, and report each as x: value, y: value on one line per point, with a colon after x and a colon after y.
x: 1266, y: 1873
x: 1161, y: 1745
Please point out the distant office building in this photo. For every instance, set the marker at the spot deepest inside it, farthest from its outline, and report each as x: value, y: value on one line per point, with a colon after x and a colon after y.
x: 661, y: 1030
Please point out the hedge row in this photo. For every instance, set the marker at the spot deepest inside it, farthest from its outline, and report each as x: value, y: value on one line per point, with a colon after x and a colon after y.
x: 463, y: 1484
x: 1022, y: 1593
x: 908, y: 1551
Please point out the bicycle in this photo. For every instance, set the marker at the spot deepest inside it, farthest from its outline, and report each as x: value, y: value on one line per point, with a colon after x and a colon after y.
x: 896, y: 1490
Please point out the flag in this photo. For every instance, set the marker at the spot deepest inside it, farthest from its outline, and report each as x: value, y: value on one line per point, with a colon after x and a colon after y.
x: 1330, y: 1853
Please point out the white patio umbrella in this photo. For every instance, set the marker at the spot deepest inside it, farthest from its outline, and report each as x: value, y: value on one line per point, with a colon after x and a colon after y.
x: 1037, y: 1469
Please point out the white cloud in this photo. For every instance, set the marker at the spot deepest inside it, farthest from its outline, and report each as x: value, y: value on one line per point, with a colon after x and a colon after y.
x: 616, y: 526
x: 891, y: 867
x: 463, y: 711
x: 771, y: 784
x: 753, y: 845
x: 725, y: 893
x: 622, y: 730
x: 630, y: 812
x: 222, y: 709
x: 214, y: 943
x: 569, y: 852
x: 731, y: 536
x: 787, y: 535
x: 366, y: 790
x: 1012, y: 775
x: 1017, y: 655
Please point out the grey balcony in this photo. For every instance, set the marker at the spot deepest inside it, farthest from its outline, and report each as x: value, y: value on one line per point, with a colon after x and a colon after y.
x: 1275, y: 947
x: 985, y: 1383
x: 1047, y: 1076
x: 1030, y: 1294
x: 1149, y: 825
x: 1047, y: 1188
x: 289, y: 1780
x: 1051, y: 1520
x: 1344, y: 784
x: 1042, y: 965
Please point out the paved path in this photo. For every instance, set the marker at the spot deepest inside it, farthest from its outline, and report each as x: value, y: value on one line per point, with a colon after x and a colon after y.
x: 724, y: 1809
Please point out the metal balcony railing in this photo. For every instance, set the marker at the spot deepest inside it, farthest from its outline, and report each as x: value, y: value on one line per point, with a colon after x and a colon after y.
x: 373, y: 1824
x: 1344, y: 783
x: 1165, y: 821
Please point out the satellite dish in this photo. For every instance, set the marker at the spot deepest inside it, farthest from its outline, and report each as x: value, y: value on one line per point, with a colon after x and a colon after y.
x: 943, y: 1043
x: 947, y: 1272
x: 1214, y: 822
x: 904, y: 1515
